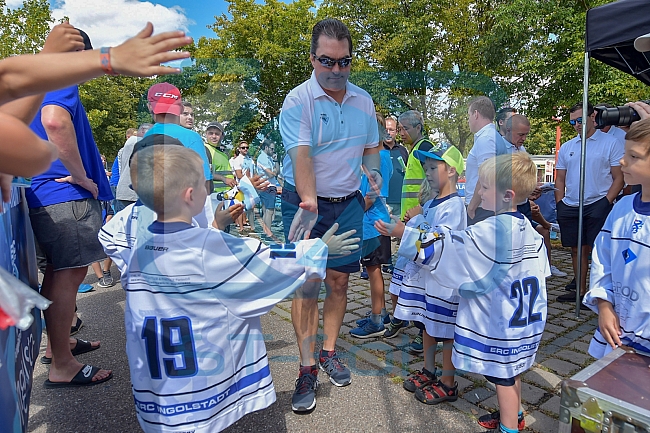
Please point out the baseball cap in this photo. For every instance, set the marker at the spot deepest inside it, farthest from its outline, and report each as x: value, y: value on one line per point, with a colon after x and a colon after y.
x: 86, y: 38
x: 642, y: 43
x: 165, y: 98
x: 153, y: 140
x: 214, y: 124
x: 444, y: 152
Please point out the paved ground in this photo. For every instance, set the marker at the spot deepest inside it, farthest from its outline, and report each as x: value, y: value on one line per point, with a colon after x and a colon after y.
x: 374, y: 402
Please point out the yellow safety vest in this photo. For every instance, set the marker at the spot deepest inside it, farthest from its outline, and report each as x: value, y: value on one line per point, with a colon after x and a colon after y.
x: 219, y: 164
x: 413, y: 178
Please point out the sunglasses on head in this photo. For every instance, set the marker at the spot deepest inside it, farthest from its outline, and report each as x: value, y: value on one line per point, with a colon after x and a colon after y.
x: 576, y: 121
x: 329, y: 63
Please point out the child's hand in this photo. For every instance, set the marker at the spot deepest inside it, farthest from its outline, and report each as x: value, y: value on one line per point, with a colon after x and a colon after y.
x: 394, y: 228
x: 340, y: 245
x: 609, y: 324
x: 224, y: 217
x: 411, y: 213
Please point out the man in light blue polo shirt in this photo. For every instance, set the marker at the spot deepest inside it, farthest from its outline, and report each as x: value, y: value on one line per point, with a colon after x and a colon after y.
x: 328, y: 126
x: 164, y: 101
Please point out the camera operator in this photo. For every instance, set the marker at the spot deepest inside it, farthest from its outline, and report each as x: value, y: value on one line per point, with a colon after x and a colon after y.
x: 603, y: 182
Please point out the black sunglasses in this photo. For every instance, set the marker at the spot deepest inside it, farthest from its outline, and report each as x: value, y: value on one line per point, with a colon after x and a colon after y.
x: 329, y: 63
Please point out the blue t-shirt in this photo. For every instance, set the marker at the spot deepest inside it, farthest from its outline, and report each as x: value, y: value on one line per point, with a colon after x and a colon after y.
x: 189, y: 138
x: 378, y: 209
x: 45, y: 191
x: 115, y: 173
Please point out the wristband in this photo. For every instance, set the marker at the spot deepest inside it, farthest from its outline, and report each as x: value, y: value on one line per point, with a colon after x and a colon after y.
x: 105, y: 59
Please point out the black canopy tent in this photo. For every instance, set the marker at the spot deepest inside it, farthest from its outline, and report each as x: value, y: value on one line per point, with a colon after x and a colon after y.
x: 610, y: 33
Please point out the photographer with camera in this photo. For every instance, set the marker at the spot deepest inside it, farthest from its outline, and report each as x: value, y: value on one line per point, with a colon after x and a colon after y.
x: 603, y: 182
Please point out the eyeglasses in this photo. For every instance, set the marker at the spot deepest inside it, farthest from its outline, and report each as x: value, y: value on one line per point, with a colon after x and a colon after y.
x: 573, y: 122
x: 329, y: 63
x: 242, y: 147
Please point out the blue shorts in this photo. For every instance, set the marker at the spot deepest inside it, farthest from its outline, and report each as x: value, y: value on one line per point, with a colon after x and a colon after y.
x: 348, y: 213
x: 268, y: 197
x: 526, y: 211
x: 499, y: 381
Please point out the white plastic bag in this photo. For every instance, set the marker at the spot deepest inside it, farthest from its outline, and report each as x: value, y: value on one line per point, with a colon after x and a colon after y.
x: 17, y: 300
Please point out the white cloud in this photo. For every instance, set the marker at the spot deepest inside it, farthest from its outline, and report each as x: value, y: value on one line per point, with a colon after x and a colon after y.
x: 111, y: 22
x: 14, y: 4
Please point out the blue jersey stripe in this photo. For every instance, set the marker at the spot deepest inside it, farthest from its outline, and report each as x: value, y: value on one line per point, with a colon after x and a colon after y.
x: 433, y: 308
x: 504, y: 351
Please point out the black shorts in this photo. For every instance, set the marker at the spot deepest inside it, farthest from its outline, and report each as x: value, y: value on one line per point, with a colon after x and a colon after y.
x: 348, y: 213
x: 376, y: 251
x: 594, y: 216
x: 499, y: 381
x: 67, y: 233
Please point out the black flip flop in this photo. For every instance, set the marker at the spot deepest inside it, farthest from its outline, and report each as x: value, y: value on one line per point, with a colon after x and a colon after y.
x: 77, y: 326
x: 83, y: 378
x: 80, y: 348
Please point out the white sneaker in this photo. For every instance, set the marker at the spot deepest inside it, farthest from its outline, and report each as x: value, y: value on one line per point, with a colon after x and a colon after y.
x: 557, y: 273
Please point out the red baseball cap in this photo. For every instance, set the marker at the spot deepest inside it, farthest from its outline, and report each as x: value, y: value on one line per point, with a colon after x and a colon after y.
x: 165, y: 98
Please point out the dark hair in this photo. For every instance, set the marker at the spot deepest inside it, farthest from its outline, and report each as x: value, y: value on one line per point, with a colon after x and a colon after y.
x: 186, y: 104
x: 331, y: 28
x: 503, y: 113
x: 267, y: 144
x: 578, y: 106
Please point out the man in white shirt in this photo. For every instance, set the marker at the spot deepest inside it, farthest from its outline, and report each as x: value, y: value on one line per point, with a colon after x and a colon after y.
x: 328, y: 126
x: 487, y: 143
x: 603, y: 182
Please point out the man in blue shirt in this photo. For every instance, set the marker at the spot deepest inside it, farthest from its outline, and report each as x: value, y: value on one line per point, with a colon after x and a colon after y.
x: 66, y: 216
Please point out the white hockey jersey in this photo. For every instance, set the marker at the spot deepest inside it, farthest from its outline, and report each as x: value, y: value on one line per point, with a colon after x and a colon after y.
x: 419, y: 297
x: 196, y: 351
x: 619, y: 274
x: 499, y: 267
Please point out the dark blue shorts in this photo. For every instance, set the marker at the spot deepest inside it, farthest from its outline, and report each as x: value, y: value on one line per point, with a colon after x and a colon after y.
x: 499, y: 381
x: 348, y: 213
x: 526, y: 211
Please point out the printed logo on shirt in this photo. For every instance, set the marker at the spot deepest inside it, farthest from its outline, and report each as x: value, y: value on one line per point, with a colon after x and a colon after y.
x: 155, y: 248
x: 636, y: 226
x: 325, y: 118
x: 628, y: 256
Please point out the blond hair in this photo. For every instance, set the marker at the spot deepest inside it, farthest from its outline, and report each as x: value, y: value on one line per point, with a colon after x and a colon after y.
x: 161, y: 174
x: 516, y: 172
x: 640, y: 133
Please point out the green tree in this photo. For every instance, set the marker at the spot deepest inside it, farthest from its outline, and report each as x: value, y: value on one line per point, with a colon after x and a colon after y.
x: 23, y: 30
x: 113, y: 105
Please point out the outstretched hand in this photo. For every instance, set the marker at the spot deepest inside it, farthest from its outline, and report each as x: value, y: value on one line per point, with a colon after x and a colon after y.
x: 259, y: 182
x: 395, y: 228
x: 142, y: 55
x: 340, y: 245
x: 224, y: 217
x: 303, y: 222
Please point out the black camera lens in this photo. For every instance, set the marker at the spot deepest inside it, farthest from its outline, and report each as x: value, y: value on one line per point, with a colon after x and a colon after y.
x: 616, y: 116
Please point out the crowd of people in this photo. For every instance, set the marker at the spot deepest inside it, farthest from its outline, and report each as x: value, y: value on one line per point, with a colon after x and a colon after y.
x: 470, y: 272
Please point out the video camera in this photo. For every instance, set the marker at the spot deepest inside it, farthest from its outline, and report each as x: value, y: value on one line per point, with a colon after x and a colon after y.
x: 616, y: 116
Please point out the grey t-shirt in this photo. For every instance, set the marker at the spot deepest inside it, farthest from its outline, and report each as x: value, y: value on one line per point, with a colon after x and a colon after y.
x: 124, y: 191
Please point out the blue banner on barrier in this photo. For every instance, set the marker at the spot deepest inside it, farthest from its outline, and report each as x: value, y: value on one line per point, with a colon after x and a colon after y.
x: 18, y: 349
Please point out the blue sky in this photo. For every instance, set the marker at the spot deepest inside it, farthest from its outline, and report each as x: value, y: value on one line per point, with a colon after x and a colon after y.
x: 201, y: 12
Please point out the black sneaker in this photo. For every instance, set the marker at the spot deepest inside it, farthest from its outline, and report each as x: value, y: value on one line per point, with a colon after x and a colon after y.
x: 304, y: 397
x: 571, y: 297
x: 491, y: 421
x: 393, y: 328
x: 572, y: 286
x: 331, y: 364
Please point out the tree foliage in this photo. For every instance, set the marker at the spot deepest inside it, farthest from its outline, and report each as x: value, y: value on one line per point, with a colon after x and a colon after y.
x: 23, y: 30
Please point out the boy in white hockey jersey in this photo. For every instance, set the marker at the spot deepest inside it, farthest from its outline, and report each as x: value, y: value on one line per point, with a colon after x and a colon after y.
x: 499, y: 267
x: 420, y: 298
x: 193, y: 300
x: 620, y: 282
